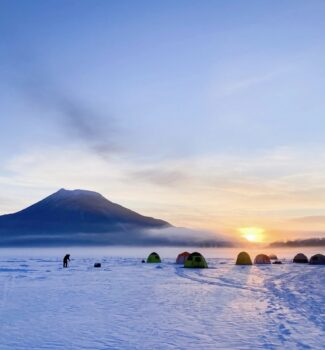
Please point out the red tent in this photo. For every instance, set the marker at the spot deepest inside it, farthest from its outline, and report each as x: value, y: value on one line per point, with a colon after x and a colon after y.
x: 262, y: 259
x: 182, y: 258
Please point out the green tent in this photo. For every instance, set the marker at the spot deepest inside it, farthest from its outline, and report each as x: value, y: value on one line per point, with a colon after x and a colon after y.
x: 153, y: 258
x: 196, y: 260
x: 243, y: 258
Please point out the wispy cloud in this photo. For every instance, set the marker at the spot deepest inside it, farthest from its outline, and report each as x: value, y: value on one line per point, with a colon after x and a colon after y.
x: 236, y: 86
x: 310, y: 219
x: 252, y: 76
x: 74, y: 116
x: 162, y: 176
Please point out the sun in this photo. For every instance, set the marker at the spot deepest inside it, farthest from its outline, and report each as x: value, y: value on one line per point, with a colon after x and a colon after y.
x: 252, y: 234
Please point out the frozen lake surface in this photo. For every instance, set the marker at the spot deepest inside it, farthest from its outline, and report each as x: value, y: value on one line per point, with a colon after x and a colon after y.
x: 130, y: 305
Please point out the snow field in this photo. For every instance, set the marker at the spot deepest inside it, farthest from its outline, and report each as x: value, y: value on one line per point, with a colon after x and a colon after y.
x: 130, y: 305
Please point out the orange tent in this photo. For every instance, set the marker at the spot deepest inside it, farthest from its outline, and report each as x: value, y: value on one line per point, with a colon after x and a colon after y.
x: 262, y: 259
x: 181, y: 258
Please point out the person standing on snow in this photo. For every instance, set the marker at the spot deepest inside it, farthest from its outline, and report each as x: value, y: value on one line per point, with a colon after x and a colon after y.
x: 65, y: 260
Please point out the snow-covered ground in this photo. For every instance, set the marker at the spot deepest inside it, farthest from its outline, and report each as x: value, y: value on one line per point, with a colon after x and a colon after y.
x: 130, y: 305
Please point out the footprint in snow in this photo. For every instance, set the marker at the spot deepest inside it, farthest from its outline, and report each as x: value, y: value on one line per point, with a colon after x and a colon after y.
x: 284, y: 330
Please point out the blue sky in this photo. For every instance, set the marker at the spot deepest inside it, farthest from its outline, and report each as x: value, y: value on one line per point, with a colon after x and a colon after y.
x: 176, y: 98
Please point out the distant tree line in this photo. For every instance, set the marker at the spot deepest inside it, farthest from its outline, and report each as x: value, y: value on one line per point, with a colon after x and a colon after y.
x: 311, y: 242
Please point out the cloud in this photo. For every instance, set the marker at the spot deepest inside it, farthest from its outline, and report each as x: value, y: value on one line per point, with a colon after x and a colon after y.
x: 73, y: 115
x: 192, y: 237
x: 240, y: 77
x: 161, y: 176
x: 250, y: 82
x: 310, y: 219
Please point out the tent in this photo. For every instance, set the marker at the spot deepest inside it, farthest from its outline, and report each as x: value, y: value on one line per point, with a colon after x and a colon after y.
x: 196, y: 260
x: 153, y: 258
x: 181, y: 258
x: 300, y: 259
x: 318, y: 259
x: 273, y: 257
x: 262, y: 259
x: 243, y: 259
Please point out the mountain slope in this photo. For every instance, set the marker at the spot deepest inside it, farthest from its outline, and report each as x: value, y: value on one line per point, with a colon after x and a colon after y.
x: 76, y: 211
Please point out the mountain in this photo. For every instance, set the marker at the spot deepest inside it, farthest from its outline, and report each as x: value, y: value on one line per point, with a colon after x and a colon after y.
x: 85, y: 218
x: 76, y: 216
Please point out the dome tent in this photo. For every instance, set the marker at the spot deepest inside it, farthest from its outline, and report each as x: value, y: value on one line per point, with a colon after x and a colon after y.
x: 300, y: 259
x: 181, y: 258
x: 153, y: 258
x: 243, y: 258
x: 318, y: 259
x: 262, y: 259
x: 273, y: 257
x: 196, y: 260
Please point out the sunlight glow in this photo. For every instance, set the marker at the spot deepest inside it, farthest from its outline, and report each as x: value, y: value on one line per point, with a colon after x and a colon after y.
x: 252, y: 234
